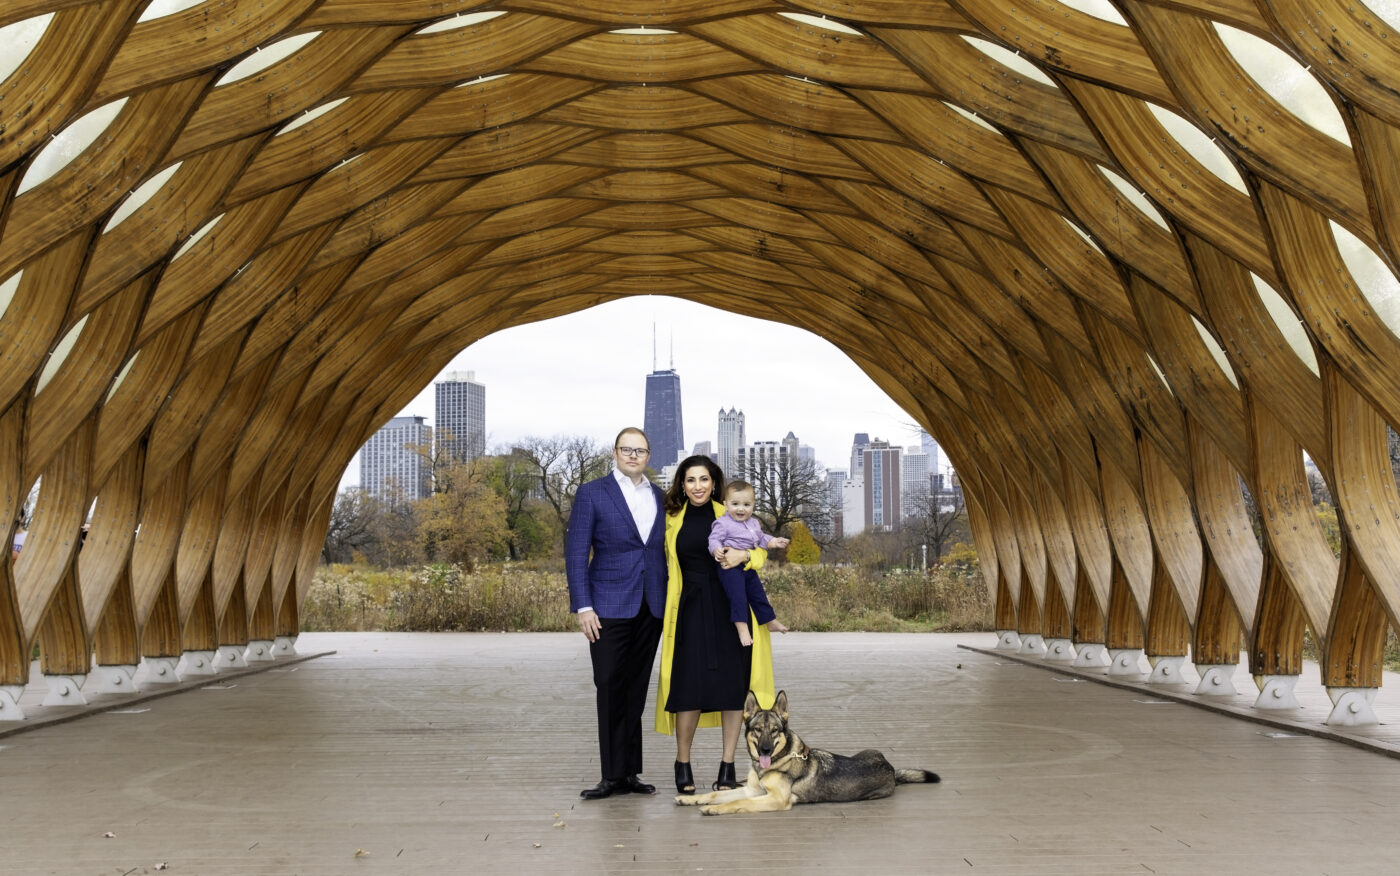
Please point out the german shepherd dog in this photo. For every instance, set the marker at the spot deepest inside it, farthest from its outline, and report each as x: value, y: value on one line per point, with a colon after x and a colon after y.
x: 786, y: 771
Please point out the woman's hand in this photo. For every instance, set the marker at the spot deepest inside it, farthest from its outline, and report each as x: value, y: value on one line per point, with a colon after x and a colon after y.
x: 733, y: 557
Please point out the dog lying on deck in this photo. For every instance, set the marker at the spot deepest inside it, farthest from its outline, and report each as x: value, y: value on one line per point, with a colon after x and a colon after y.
x: 786, y: 771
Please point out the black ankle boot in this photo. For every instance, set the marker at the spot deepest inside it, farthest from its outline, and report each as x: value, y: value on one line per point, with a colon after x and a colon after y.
x: 727, y: 780
x: 685, y: 779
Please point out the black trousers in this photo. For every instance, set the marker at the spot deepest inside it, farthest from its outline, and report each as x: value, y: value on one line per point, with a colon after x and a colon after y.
x: 622, y: 659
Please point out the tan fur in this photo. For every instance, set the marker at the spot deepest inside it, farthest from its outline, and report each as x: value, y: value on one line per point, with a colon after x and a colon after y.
x: 797, y: 773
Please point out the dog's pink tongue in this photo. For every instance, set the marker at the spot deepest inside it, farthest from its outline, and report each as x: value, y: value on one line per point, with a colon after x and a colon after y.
x: 764, y: 761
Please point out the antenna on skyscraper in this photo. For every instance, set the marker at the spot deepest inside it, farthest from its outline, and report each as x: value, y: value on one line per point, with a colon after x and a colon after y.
x: 673, y: 349
x: 653, y: 345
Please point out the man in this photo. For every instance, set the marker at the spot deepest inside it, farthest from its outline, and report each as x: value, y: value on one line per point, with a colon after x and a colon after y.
x: 619, y: 595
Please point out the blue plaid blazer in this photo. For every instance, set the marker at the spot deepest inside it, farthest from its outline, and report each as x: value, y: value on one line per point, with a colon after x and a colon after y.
x: 607, y: 563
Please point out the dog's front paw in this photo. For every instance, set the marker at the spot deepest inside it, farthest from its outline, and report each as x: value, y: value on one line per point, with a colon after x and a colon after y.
x: 711, y: 810
x: 686, y: 800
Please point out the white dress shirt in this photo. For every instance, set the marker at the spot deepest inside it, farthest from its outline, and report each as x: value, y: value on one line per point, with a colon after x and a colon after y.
x: 640, y: 501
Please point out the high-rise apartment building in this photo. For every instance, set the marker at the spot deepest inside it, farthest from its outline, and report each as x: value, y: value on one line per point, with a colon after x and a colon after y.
x: 394, y: 462
x: 760, y: 461
x: 852, y: 508
x: 731, y: 438
x: 703, y: 448
x: 663, y: 418
x: 773, y: 462
x: 460, y: 416
x: 937, y: 480
x: 834, y: 525
x: 914, y: 482
x: 882, y: 485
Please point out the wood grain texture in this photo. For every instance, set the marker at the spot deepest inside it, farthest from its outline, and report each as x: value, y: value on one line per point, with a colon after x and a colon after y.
x: 1115, y: 343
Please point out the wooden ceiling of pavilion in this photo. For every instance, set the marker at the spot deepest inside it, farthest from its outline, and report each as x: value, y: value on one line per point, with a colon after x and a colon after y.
x: 1033, y: 264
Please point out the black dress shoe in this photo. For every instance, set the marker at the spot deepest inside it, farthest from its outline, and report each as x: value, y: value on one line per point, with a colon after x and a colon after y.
x: 606, y: 788
x: 637, y: 786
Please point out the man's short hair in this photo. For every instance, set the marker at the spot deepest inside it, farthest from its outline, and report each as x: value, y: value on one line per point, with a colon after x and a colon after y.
x: 737, y: 486
x: 617, y: 442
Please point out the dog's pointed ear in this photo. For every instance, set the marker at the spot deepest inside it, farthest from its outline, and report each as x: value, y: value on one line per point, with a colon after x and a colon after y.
x: 751, y: 706
x: 780, y: 705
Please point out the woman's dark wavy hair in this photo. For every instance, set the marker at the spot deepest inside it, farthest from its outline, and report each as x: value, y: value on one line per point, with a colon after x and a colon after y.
x: 675, y: 495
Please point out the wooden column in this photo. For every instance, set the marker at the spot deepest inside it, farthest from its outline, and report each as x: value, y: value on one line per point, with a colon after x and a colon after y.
x: 1218, y: 630
x: 200, y: 632
x: 1124, y: 619
x: 1277, y: 645
x: 1006, y: 606
x: 1057, y: 623
x: 233, y: 624
x: 262, y: 622
x: 117, y: 640
x: 289, y: 614
x: 1028, y: 617
x: 64, y: 647
x: 161, y: 636
x: 1354, y: 651
x: 1168, y: 631
x: 1089, y: 622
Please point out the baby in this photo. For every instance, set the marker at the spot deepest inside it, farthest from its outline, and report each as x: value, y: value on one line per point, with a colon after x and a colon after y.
x: 737, y: 529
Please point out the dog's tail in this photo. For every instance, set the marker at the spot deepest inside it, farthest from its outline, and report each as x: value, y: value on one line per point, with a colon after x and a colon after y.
x: 914, y: 777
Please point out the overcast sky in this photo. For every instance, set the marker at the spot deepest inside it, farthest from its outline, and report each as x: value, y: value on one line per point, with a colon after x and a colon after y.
x: 584, y: 375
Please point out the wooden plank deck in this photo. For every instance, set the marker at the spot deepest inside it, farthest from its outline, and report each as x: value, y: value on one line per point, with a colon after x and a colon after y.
x: 464, y: 753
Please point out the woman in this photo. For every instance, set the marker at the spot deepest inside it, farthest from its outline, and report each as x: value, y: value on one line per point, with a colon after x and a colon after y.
x: 705, y: 672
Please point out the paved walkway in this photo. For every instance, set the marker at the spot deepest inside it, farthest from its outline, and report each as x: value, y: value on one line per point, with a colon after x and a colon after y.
x: 464, y: 753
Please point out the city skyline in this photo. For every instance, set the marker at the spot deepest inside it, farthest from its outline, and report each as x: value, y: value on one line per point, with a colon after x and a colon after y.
x: 571, y: 375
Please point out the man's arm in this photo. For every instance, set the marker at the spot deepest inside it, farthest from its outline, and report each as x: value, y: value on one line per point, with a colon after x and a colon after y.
x: 578, y: 542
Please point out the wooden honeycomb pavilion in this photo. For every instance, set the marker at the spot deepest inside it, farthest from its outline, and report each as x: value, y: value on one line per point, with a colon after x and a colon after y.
x: 1131, y: 263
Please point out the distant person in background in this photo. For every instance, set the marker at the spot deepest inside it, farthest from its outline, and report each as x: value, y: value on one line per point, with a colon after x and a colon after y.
x: 616, y: 567
x: 19, y: 543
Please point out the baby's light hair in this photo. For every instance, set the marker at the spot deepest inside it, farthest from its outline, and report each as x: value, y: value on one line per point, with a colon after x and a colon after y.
x: 736, y: 486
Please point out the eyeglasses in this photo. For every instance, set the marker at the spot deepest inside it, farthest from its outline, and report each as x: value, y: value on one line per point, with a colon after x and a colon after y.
x: 634, y: 451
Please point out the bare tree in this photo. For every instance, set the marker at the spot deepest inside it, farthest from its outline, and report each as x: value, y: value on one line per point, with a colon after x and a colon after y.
x: 354, y: 521
x: 787, y: 490
x: 562, y: 464
x: 939, y: 520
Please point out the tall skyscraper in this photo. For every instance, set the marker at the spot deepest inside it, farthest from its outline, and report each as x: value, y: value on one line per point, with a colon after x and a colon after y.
x: 703, y: 448
x: 731, y: 438
x: 663, y: 418
x: 833, y: 526
x: 914, y: 481
x: 461, y: 416
x: 394, y: 463
x: 937, y: 481
x: 882, y: 485
x: 858, y: 445
x: 852, y: 508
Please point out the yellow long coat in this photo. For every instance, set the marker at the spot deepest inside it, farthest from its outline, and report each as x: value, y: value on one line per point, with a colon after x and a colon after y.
x: 761, y: 674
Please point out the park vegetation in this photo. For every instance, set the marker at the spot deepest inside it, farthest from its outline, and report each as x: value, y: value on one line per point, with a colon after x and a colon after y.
x: 484, y: 551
